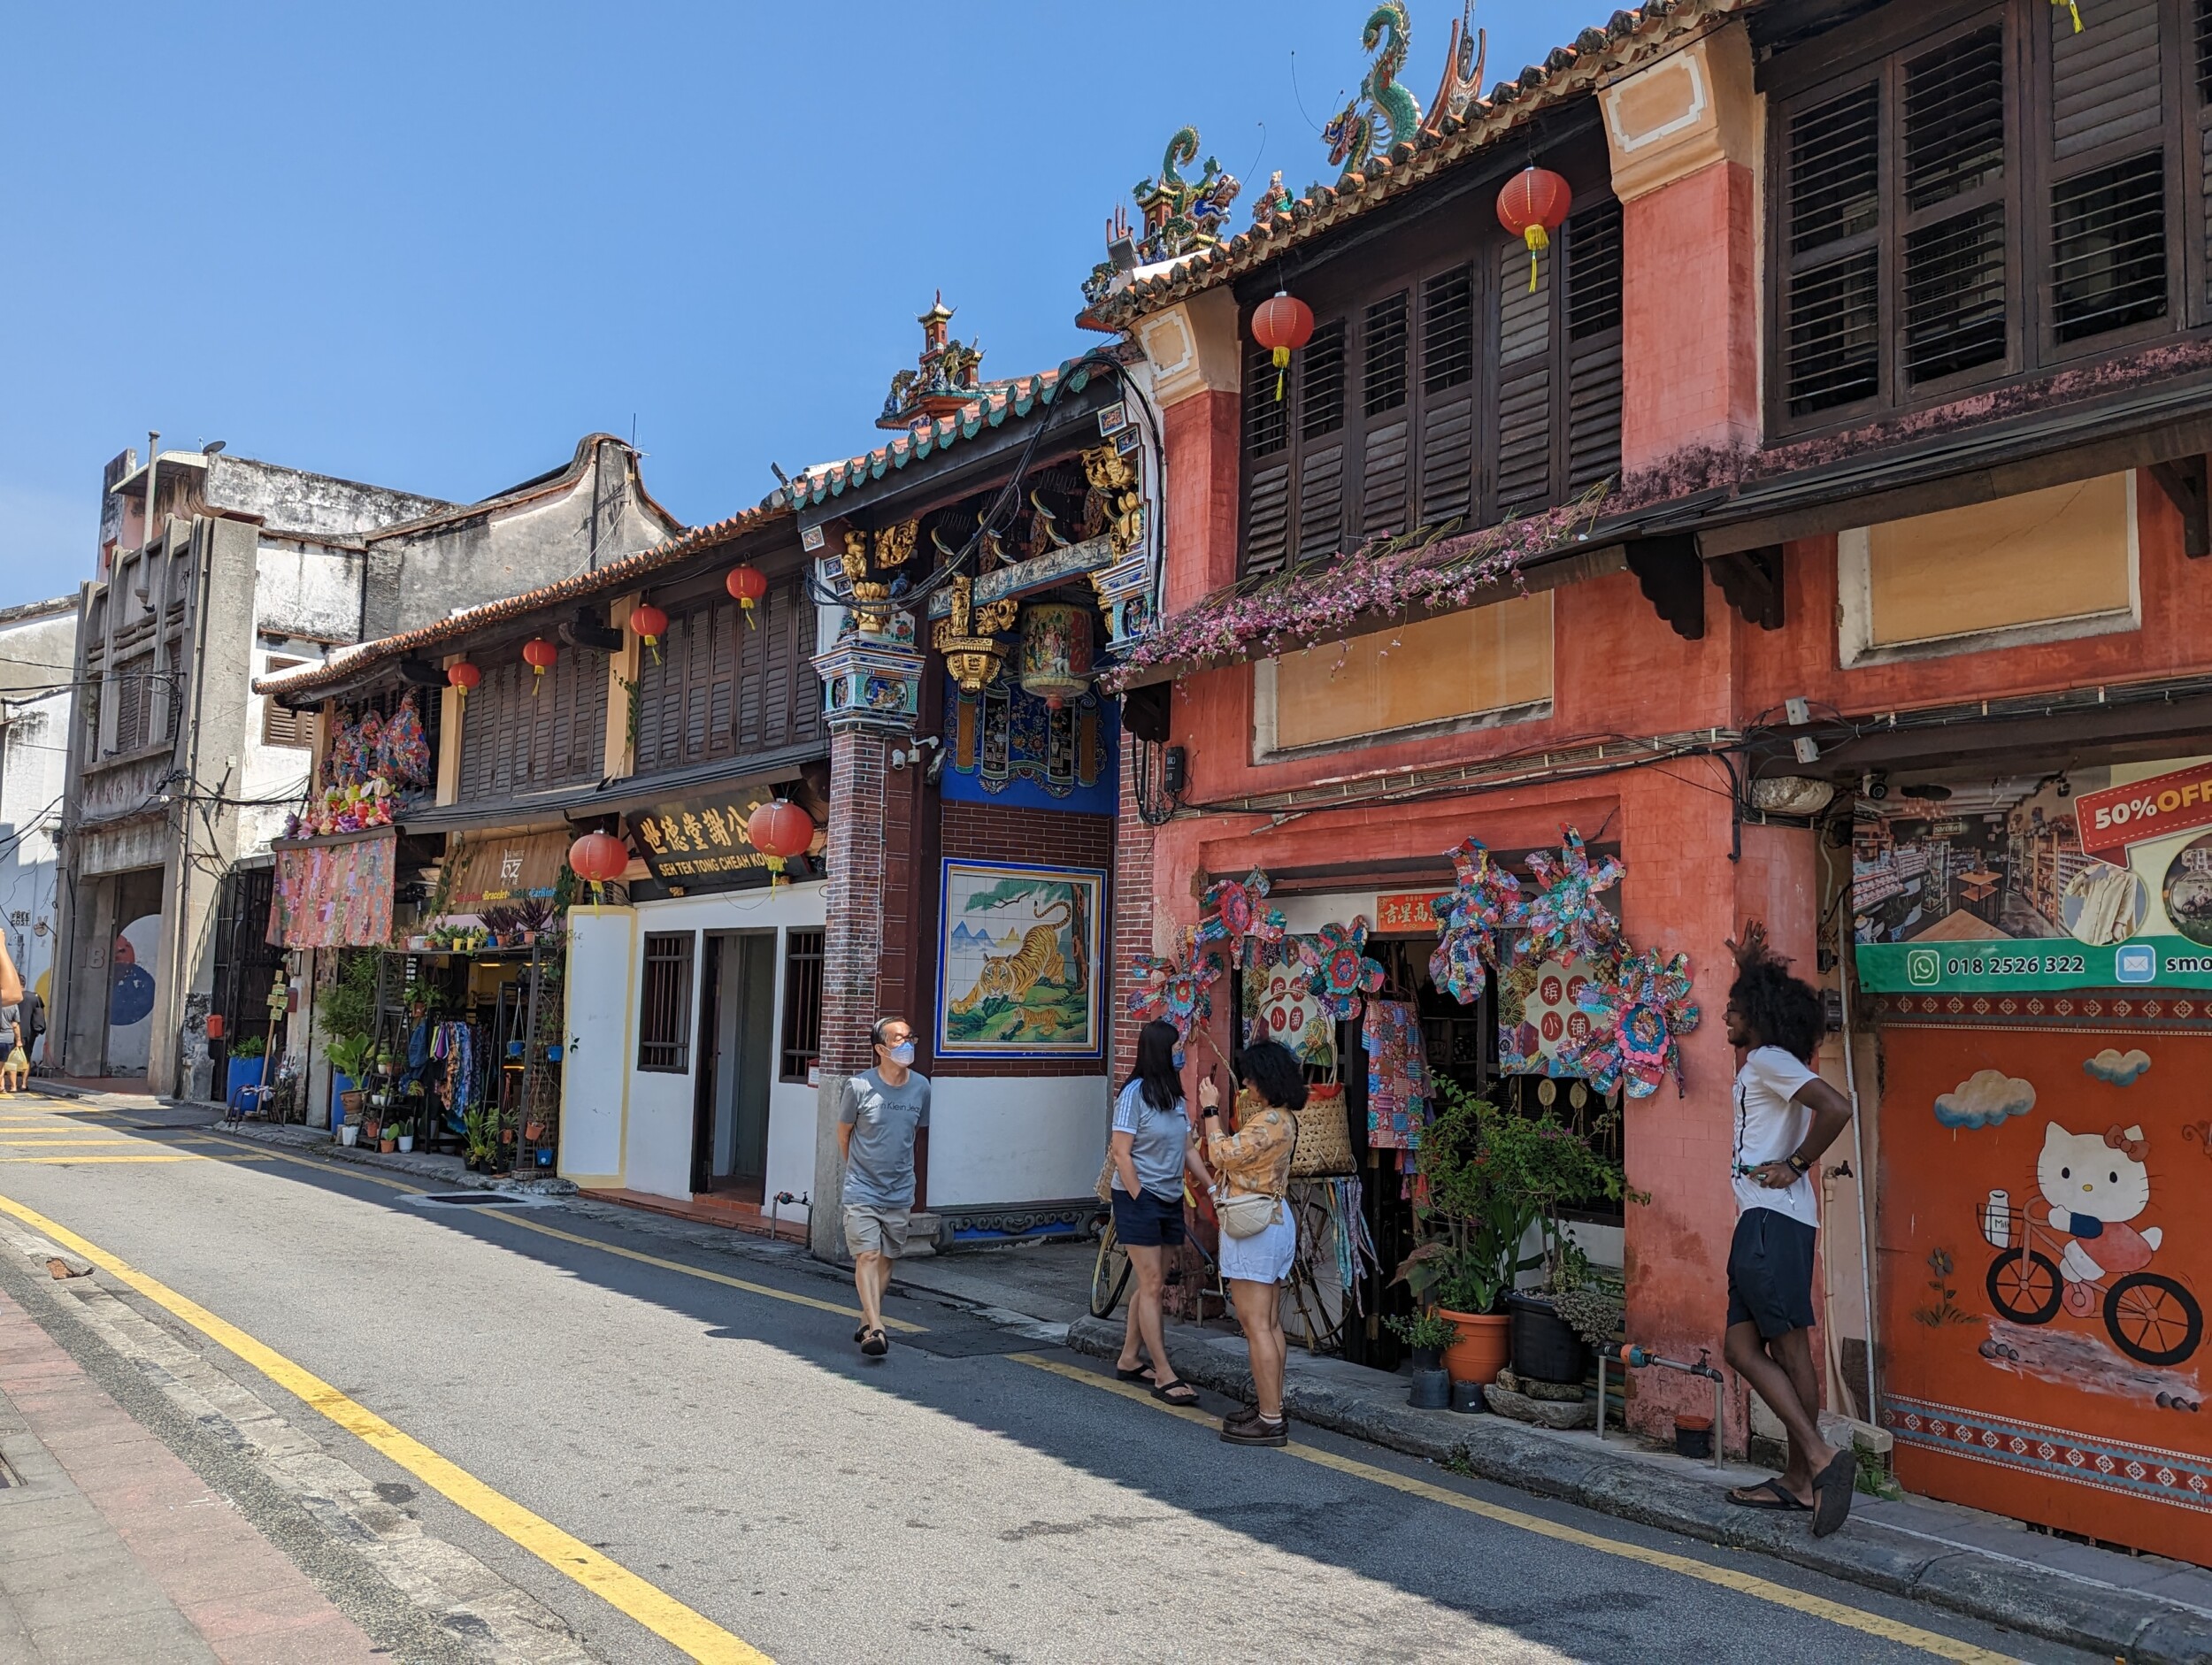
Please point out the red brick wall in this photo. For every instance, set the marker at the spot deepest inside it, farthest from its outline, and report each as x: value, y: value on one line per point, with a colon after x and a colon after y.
x: 852, y: 947
x: 995, y: 833
x: 1132, y: 913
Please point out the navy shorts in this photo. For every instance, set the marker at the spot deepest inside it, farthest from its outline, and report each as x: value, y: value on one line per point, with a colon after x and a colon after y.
x: 1145, y: 1221
x: 1770, y: 1273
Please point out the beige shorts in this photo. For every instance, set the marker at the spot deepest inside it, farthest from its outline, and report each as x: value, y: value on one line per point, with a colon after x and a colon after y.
x: 873, y: 1230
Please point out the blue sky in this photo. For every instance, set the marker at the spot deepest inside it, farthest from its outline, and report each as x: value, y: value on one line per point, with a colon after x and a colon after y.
x: 429, y: 247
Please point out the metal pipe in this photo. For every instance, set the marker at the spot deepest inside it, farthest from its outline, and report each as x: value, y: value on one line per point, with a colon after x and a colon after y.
x: 1634, y: 1357
x: 1845, y: 964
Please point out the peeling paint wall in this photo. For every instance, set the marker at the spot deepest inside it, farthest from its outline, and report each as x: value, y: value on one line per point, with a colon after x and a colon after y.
x: 291, y: 500
x: 309, y: 591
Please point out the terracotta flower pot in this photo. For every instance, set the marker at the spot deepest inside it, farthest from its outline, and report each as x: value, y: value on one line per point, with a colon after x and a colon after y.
x: 388, y: 1143
x: 1485, y: 1344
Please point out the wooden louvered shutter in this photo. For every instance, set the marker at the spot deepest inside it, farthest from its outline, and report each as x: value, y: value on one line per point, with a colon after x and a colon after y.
x: 1447, y: 396
x: 1832, y: 309
x: 1592, y: 277
x: 1953, y: 166
x: 2200, y: 83
x: 1523, y: 470
x: 1267, y: 460
x: 2109, y: 203
x: 1321, y: 443
x: 1386, y: 410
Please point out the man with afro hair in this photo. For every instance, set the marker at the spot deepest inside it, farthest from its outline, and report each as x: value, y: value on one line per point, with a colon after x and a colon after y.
x: 1786, y: 1116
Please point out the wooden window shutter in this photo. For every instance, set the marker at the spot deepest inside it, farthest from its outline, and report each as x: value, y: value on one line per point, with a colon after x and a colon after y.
x: 1832, y: 313
x: 1321, y: 443
x: 1386, y: 408
x: 1447, y: 396
x: 1593, y: 277
x: 2105, y: 82
x: 281, y: 725
x: 1523, y: 471
x: 2108, y: 205
x: 2202, y: 80
x: 1954, y: 164
x: 1266, y: 463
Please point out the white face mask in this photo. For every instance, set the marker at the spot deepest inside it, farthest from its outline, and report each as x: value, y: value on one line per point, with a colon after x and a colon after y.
x: 904, y: 1053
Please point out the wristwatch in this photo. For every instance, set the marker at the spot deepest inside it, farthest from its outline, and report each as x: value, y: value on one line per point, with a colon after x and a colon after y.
x: 1799, y: 1164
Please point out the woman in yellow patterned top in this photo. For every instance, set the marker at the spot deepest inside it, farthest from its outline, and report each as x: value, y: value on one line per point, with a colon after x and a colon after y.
x: 1256, y: 1161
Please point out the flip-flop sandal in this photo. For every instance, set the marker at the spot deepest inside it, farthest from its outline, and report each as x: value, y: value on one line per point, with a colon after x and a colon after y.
x: 1832, y: 1494
x: 1177, y: 1392
x: 1142, y: 1373
x: 1773, y: 1497
x: 877, y: 1345
x: 861, y: 1334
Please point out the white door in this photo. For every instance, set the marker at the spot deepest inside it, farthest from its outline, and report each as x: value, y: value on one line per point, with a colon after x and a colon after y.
x: 595, y: 1067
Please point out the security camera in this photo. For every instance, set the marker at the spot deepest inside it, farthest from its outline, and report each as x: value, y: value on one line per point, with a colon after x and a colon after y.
x: 1874, y: 784
x: 2065, y: 787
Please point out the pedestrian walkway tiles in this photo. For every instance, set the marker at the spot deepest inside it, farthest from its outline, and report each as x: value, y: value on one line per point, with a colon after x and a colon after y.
x: 1727, y: 1578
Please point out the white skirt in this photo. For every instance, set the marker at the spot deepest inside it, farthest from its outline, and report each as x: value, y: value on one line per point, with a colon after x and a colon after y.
x: 1265, y: 1256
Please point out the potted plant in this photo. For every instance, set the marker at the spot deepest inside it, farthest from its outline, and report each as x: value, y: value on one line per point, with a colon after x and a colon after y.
x: 480, y: 1132
x: 406, y: 1134
x: 1427, y: 1334
x: 347, y: 1015
x: 246, y: 1061
x: 350, y: 1056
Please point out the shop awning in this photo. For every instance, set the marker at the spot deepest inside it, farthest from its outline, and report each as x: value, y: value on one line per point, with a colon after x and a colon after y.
x: 334, y: 892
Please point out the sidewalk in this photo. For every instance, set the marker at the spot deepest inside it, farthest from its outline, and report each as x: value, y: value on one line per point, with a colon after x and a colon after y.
x: 112, y: 1549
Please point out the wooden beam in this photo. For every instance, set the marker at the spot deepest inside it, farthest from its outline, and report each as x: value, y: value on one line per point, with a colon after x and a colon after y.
x: 1751, y: 581
x: 1673, y: 581
x: 2183, y: 481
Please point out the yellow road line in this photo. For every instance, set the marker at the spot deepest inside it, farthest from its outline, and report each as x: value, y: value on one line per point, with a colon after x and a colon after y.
x: 616, y: 1585
x: 1727, y: 1578
x: 28, y: 1139
x: 174, y: 1155
x: 899, y: 1324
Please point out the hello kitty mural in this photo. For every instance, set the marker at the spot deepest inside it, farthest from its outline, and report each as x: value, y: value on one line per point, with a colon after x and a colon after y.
x: 2093, y: 1184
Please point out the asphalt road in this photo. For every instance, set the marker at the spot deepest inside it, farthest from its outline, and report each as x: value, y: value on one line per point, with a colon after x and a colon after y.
x: 993, y: 1499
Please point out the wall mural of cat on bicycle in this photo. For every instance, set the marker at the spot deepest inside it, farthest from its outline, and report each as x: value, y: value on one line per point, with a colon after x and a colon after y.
x: 2061, y: 1378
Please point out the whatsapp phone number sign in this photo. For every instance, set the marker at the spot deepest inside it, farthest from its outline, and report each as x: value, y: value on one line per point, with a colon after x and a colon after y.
x: 1902, y: 967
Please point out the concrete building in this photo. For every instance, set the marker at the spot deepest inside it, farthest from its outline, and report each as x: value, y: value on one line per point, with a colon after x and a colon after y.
x: 38, y: 648
x: 215, y: 570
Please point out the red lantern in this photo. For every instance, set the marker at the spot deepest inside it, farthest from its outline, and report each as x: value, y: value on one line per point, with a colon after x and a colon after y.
x: 780, y: 830
x: 1282, y: 323
x: 598, y: 858
x: 540, y: 654
x: 749, y: 586
x: 651, y: 625
x: 463, y: 675
x: 1533, y: 206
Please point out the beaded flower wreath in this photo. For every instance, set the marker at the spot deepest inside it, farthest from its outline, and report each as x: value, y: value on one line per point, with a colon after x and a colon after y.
x: 1564, y: 918
x: 1485, y: 900
x: 1232, y: 917
x: 1637, y: 1020
x: 1342, y: 972
x: 1175, y: 989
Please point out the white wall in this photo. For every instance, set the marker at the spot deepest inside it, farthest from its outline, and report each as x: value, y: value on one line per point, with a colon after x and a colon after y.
x: 32, y: 771
x: 656, y: 1154
x: 275, y: 777
x: 1015, y: 1138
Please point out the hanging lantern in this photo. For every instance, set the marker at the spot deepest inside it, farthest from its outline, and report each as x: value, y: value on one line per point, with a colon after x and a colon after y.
x: 749, y: 586
x: 1056, y: 652
x: 540, y: 654
x: 1283, y: 323
x: 651, y: 625
x: 463, y: 675
x: 1533, y: 206
x: 597, y: 858
x: 780, y: 830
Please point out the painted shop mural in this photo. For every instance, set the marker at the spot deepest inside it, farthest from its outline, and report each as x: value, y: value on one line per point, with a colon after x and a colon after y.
x: 1018, y: 967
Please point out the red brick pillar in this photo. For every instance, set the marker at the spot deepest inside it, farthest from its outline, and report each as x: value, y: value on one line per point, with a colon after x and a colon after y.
x: 852, y: 951
x: 1133, y: 917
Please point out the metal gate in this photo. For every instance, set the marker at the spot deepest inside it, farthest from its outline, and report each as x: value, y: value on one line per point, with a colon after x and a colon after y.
x: 245, y: 961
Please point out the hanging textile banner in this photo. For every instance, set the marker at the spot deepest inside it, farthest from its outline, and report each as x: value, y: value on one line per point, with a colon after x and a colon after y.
x: 492, y: 867
x: 334, y: 895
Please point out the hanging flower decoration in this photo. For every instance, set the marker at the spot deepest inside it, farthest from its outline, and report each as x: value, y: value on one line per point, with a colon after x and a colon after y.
x: 1564, y: 917
x: 1175, y: 989
x: 1342, y: 972
x: 1636, y: 1025
x: 1232, y: 918
x: 1485, y: 900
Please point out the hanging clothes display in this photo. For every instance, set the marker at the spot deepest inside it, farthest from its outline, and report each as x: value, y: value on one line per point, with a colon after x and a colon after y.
x: 1398, y: 1086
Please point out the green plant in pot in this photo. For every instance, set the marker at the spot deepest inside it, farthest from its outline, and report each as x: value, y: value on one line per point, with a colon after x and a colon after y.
x: 480, y: 1132
x: 1426, y: 1335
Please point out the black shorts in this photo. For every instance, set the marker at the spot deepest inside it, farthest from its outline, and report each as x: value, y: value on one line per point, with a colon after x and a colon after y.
x: 1770, y: 1273
x: 1145, y: 1221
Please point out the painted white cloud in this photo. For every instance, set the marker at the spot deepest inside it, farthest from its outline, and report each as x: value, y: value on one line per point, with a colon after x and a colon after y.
x: 1984, y: 1099
x: 2119, y: 1067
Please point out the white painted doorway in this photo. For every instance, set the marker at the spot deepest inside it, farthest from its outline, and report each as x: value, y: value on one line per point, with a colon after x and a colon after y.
x: 596, y: 1067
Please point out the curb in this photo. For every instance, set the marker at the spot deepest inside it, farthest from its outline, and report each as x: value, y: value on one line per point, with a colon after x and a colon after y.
x: 310, y: 1142
x: 2121, y: 1624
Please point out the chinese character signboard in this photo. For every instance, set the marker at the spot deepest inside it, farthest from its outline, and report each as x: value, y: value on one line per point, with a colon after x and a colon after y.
x: 2043, y: 883
x: 701, y: 843
x: 1405, y: 913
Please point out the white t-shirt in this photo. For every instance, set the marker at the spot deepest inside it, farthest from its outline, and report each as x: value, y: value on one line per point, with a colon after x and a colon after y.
x: 1770, y: 1125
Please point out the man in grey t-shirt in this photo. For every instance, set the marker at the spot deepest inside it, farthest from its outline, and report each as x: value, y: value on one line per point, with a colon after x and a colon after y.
x: 882, y: 1110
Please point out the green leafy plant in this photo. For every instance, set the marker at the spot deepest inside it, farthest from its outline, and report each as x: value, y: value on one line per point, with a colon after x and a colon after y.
x: 251, y: 1047
x: 480, y: 1131
x: 351, y: 1055
x: 1489, y: 1176
x: 347, y: 1011
x: 1423, y: 1331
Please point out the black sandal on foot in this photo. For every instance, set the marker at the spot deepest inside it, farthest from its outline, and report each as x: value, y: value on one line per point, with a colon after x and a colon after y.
x: 1832, y: 1492
x: 877, y: 1345
x: 1773, y: 1496
x: 861, y: 1334
x: 1142, y: 1373
x: 1177, y: 1392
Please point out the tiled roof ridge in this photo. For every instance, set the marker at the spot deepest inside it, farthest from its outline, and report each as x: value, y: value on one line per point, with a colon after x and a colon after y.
x: 346, y: 662
x: 1626, y: 41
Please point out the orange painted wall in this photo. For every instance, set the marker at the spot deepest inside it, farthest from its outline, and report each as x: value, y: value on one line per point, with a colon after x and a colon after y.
x: 1202, y: 508
x: 1689, y: 317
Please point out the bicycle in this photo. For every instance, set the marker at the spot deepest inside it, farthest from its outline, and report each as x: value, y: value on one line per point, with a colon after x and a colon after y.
x: 2151, y: 1318
x: 1110, y: 1270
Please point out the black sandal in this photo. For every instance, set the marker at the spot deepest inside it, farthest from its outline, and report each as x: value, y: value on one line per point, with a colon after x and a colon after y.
x: 1832, y: 1492
x: 1772, y: 1497
x: 1167, y: 1392
x: 861, y: 1334
x: 1142, y: 1373
x: 877, y: 1345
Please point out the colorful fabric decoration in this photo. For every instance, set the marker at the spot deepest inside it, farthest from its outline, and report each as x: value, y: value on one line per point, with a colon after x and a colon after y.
x: 1398, y: 1086
x: 1232, y: 918
x: 1175, y: 989
x: 1636, y: 1025
x: 1485, y: 900
x: 1564, y: 918
x: 403, y: 752
x: 1539, y: 1015
x: 1343, y: 973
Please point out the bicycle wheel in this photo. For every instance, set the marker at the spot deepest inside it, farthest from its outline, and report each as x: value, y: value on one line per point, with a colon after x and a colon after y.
x: 1322, y: 1332
x: 2153, y: 1319
x: 1110, y: 1274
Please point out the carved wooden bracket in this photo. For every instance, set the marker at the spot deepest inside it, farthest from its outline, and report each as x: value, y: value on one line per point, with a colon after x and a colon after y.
x: 2183, y: 481
x: 1751, y: 581
x: 588, y: 629
x: 1673, y: 581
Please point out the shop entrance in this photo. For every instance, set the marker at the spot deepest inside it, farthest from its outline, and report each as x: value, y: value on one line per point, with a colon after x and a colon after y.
x: 729, y: 1152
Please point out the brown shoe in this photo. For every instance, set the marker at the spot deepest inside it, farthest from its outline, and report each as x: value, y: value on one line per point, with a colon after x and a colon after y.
x: 1240, y: 1417
x: 1259, y: 1431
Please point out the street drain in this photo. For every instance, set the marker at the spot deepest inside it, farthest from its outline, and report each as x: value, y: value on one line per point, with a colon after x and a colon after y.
x: 481, y: 1200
